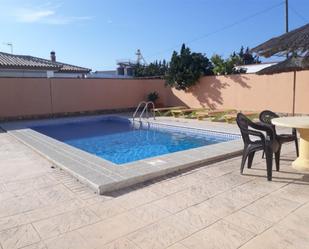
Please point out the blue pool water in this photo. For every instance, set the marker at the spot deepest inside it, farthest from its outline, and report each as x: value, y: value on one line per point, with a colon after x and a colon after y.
x: 118, y: 141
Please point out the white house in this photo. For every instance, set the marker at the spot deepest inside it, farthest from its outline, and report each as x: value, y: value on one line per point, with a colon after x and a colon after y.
x: 12, y: 65
x: 253, y: 68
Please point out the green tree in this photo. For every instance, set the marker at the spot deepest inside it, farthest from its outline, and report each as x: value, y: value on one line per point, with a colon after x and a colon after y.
x: 246, y: 57
x: 223, y: 67
x: 219, y: 66
x: 153, y: 69
x: 186, y: 68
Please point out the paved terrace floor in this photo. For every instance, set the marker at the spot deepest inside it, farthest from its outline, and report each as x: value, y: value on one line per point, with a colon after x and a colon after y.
x: 209, y: 207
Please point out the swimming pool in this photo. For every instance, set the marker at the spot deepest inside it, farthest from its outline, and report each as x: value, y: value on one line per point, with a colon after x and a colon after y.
x: 120, y: 141
x: 110, y: 152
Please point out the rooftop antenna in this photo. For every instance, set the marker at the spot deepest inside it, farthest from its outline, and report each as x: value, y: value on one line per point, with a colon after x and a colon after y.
x: 10, y: 44
x: 140, y: 57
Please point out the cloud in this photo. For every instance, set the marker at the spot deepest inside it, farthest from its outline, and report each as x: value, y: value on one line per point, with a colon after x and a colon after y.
x: 46, y: 14
x: 31, y: 16
x: 62, y: 20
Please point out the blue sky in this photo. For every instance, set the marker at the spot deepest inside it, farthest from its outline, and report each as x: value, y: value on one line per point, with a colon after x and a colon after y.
x: 95, y: 33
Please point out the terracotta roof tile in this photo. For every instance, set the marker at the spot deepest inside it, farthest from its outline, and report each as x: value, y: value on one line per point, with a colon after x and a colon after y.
x: 29, y: 62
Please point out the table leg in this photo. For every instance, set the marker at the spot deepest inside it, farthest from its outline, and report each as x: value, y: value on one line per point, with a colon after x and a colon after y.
x: 302, y: 162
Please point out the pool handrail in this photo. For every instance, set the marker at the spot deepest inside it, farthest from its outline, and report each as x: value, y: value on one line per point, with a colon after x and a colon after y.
x: 146, y: 104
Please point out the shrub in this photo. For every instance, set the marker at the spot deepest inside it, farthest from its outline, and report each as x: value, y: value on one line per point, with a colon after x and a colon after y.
x: 153, y: 96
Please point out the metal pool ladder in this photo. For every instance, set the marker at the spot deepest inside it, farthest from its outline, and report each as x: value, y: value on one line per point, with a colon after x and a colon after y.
x: 144, y: 110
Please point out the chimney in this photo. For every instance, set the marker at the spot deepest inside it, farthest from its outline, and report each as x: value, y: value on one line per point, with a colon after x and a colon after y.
x: 53, y: 56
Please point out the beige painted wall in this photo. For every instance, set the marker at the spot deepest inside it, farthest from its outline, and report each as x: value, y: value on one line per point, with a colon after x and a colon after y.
x: 24, y: 96
x: 247, y: 92
x: 32, y: 96
x: 72, y: 95
x: 302, y: 92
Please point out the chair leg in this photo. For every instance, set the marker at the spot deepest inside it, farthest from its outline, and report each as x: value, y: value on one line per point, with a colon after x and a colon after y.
x: 263, y: 155
x: 269, y: 163
x: 250, y: 159
x: 277, y: 158
x: 296, y: 141
x: 296, y: 145
x: 243, y: 160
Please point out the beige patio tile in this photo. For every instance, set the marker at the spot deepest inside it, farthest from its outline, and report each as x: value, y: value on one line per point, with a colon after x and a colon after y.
x: 219, y: 235
x: 242, y: 194
x: 272, y: 208
x: 18, y: 237
x: 177, y: 246
x: 137, y: 198
x: 107, y: 209
x: 216, y: 171
x: 65, y: 222
x: 95, y: 199
x: 143, y: 218
x: 296, y: 192
x: 13, y: 173
x: 197, y: 177
x: 13, y: 221
x: 263, y: 186
x: 298, y: 220
x: 54, y: 194
x: 286, y: 174
x: 149, y: 213
x: 122, y: 243
x: 227, y: 181
x: 17, y: 205
x: 196, y: 216
x: 25, y: 185
x: 172, y: 186
x: 110, y: 229
x: 2, y: 188
x: 178, y: 201
x: 248, y: 222
x: 221, y: 206
x: 161, y: 234
x: 6, y: 195
x: 39, y: 245
x: 72, y: 240
x: 203, y: 191
x: 279, y: 237
x: 198, y: 193
x: 83, y: 193
x: 304, y: 180
x: 53, y: 210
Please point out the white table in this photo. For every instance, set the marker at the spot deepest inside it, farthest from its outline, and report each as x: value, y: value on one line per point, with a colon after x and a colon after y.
x: 302, y: 126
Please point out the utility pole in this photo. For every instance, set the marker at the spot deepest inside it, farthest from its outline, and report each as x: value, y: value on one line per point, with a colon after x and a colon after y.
x: 286, y: 16
x: 287, y: 20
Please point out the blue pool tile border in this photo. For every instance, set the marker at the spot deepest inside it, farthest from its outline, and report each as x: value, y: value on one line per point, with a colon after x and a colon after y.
x: 186, y: 130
